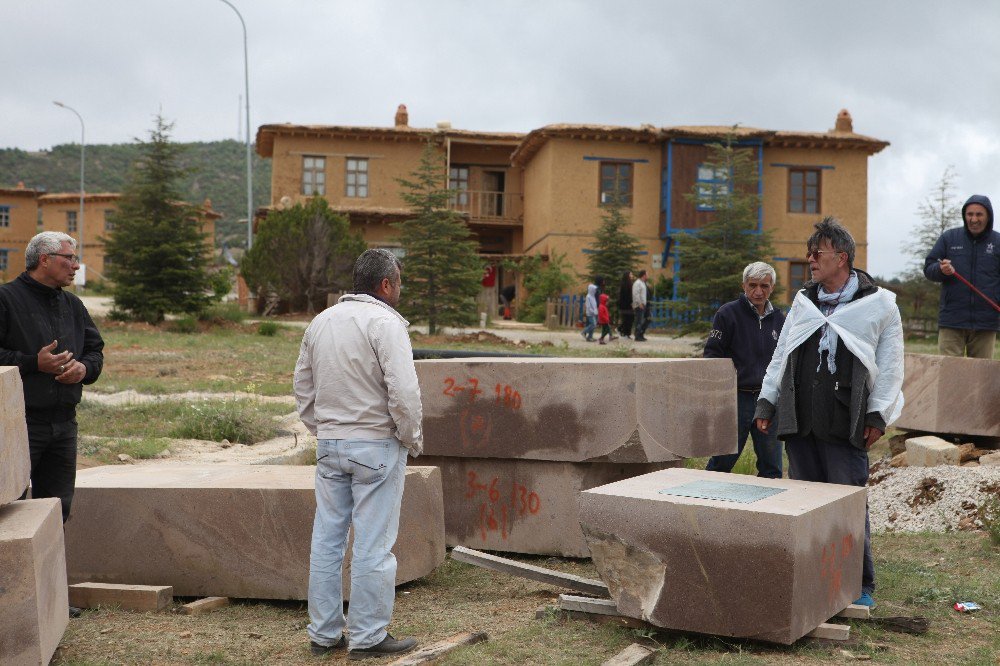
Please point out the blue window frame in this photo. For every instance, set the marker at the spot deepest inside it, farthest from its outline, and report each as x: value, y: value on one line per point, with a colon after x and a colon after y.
x: 713, y: 183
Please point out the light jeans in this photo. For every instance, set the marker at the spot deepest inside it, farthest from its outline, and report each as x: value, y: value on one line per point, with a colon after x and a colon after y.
x: 358, y: 481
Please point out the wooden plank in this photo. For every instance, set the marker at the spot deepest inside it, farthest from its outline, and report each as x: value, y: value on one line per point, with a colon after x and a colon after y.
x: 856, y: 612
x: 633, y: 655
x: 434, y: 651
x: 832, y: 632
x: 572, y: 602
x: 504, y: 565
x: 204, y: 605
x: 129, y: 597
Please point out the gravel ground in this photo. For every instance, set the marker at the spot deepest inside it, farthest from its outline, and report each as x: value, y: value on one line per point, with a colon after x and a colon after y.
x: 933, y: 499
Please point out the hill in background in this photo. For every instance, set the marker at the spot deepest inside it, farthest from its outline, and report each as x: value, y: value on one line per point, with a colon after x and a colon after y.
x: 215, y: 170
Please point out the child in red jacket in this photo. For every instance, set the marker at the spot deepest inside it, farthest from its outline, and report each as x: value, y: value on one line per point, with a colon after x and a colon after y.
x: 604, y: 318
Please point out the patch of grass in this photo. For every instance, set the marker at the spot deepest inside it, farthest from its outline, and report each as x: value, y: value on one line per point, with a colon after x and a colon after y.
x: 224, y: 312
x: 184, y: 325
x: 989, y: 516
x: 107, y: 450
x: 244, y: 421
x: 268, y: 328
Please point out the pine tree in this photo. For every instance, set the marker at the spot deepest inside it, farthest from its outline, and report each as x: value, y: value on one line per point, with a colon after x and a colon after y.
x: 158, y: 254
x: 301, y: 254
x: 441, y: 267
x: 711, y: 261
x: 616, y: 250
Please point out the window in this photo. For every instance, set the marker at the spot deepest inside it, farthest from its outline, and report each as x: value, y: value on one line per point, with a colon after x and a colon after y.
x: 803, y: 190
x: 458, y: 179
x: 313, y: 175
x: 616, y: 183
x: 798, y: 275
x: 71, y: 221
x: 713, y: 183
x: 3, y: 259
x: 357, y: 177
x: 5, y: 217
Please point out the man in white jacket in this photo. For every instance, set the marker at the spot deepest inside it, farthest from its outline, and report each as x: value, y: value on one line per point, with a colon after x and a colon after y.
x: 356, y: 390
x: 835, y: 381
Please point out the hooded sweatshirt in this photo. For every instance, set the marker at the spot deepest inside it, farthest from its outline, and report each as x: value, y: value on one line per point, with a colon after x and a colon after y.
x: 590, y: 308
x: 603, y: 315
x: 977, y: 259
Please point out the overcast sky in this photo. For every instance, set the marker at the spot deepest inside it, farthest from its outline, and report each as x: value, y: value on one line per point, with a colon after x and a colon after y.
x: 924, y: 75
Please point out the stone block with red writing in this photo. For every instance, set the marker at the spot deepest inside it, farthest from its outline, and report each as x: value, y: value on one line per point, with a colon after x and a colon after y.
x: 727, y: 554
x: 15, y: 463
x: 521, y: 506
x: 950, y: 395
x: 225, y: 530
x: 580, y: 409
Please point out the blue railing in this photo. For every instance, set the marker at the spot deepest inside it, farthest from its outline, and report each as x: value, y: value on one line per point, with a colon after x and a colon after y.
x: 664, y: 312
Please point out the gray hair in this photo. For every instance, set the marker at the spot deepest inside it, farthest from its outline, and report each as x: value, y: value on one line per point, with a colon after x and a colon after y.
x: 46, y: 242
x: 372, y: 267
x: 759, y: 270
x: 829, y: 228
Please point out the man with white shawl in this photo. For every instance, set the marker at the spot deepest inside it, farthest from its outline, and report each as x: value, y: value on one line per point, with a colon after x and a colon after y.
x: 834, y: 382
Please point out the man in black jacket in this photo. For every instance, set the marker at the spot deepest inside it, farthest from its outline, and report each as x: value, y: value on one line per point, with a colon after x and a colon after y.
x: 746, y: 330
x: 967, y: 324
x: 48, y: 334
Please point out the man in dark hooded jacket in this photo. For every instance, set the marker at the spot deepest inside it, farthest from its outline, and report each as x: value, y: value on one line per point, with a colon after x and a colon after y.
x: 967, y: 323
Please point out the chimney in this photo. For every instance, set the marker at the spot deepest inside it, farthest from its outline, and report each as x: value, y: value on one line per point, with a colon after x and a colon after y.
x: 444, y: 125
x: 402, y: 117
x: 844, y: 122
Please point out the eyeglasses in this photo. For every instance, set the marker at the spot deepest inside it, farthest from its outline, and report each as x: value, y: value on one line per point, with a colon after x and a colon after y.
x: 815, y: 253
x: 73, y: 258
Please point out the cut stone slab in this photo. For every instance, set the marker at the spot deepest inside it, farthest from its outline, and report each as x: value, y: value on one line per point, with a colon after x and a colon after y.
x: 15, y: 462
x: 241, y: 531
x: 579, y: 410
x: 951, y: 395
x: 521, y: 506
x: 990, y: 460
x: 129, y: 597
x: 770, y: 569
x: 931, y: 451
x: 33, y: 597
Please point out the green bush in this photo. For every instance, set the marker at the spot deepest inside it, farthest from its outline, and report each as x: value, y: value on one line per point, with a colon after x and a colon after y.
x: 236, y: 420
x: 268, y: 328
x: 183, y: 325
x: 224, y: 312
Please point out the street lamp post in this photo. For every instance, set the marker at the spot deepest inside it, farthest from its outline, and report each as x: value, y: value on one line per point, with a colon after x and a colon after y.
x: 246, y: 84
x: 83, y: 146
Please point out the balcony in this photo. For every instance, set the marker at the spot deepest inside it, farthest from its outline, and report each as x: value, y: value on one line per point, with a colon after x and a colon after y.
x: 496, y: 208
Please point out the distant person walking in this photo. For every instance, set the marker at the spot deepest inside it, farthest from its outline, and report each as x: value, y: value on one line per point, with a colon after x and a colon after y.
x: 604, y: 318
x: 967, y: 322
x: 590, y: 312
x: 356, y: 391
x: 640, y: 299
x: 625, y: 305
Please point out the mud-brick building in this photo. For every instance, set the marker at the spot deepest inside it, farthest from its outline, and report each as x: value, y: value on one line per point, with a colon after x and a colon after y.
x: 545, y: 191
x: 18, y: 223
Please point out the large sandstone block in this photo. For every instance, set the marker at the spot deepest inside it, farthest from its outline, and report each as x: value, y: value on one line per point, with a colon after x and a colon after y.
x: 576, y: 410
x: 522, y: 506
x: 225, y: 530
x: 930, y: 451
x: 15, y: 463
x: 950, y: 395
x: 771, y: 569
x: 33, y: 595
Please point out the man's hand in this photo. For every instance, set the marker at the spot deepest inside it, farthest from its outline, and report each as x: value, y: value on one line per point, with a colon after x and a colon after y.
x: 872, y: 435
x: 946, y: 267
x: 55, y: 364
x: 763, y: 425
x: 74, y: 373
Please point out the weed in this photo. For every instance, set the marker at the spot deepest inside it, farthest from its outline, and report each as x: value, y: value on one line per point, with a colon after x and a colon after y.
x: 224, y: 312
x: 268, y: 329
x: 989, y: 517
x: 239, y: 421
x: 183, y: 325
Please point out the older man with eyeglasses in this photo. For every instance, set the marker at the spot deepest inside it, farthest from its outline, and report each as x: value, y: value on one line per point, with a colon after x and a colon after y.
x: 47, y: 333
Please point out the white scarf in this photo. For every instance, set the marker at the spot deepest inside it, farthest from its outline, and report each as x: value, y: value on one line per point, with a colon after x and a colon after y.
x: 828, y: 304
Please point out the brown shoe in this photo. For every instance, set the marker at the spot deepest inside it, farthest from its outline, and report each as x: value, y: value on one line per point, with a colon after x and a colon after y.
x: 388, y: 646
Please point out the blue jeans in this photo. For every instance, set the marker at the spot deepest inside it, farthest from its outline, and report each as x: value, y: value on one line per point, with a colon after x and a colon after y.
x: 640, y: 323
x: 358, y: 481
x: 588, y: 330
x: 811, y: 459
x: 766, y: 446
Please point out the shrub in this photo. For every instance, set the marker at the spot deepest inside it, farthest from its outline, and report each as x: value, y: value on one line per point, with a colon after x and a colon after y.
x: 234, y: 420
x: 183, y: 325
x: 268, y: 328
x: 224, y: 312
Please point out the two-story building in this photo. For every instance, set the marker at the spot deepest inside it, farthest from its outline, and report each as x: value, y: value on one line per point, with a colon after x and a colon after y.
x: 18, y: 223
x: 545, y: 191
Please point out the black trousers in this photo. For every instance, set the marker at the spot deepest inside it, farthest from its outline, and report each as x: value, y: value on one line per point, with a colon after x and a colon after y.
x: 52, y: 446
x: 625, y: 328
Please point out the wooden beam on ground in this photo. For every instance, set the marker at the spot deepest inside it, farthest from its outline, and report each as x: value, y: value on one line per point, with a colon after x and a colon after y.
x: 572, y: 602
x: 434, y: 651
x: 204, y: 605
x: 633, y: 655
x: 128, y: 597
x: 540, y: 574
x: 856, y: 612
x: 831, y: 632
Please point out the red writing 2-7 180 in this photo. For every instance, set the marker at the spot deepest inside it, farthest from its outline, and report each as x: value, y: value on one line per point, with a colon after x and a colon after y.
x: 504, y: 395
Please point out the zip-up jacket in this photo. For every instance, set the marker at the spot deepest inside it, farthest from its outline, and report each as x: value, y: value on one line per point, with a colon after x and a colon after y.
x: 355, y: 378
x: 977, y: 259
x: 32, y: 315
x: 744, y: 336
x: 603, y: 314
